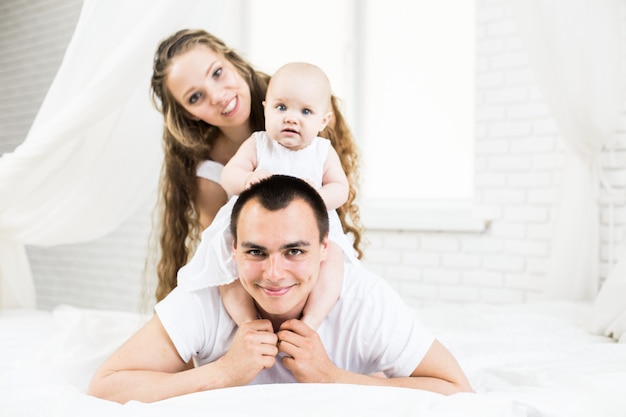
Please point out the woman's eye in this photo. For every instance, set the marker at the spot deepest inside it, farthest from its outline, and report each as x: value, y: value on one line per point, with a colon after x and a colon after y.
x: 217, y: 73
x: 194, y: 98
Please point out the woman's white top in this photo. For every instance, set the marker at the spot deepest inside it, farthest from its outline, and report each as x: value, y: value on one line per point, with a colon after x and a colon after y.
x: 210, y: 170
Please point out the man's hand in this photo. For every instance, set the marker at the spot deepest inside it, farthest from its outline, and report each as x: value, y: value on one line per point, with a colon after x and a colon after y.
x: 253, y: 349
x: 306, y: 356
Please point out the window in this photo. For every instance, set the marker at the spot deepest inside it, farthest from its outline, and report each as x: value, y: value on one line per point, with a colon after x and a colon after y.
x: 405, y: 72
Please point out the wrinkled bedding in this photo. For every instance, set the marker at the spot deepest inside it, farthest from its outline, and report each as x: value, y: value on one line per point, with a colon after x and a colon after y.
x: 522, y: 360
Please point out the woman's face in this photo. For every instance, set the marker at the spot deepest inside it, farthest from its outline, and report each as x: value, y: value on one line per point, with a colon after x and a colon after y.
x: 209, y: 87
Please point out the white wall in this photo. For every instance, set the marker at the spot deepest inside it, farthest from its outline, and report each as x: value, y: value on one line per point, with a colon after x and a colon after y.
x: 518, y: 151
x: 517, y: 159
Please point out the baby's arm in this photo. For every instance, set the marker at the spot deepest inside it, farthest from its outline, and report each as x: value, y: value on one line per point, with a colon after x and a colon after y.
x: 326, y: 290
x: 238, y: 302
x: 239, y: 173
x: 335, y: 186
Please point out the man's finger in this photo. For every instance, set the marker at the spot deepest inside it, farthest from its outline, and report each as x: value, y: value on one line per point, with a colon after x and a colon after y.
x: 297, y: 326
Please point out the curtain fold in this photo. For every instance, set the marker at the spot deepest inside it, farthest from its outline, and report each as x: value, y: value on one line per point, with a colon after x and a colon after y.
x: 93, y: 154
x: 575, y: 50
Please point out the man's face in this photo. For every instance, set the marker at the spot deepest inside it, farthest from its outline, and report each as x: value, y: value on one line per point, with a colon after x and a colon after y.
x: 278, y: 255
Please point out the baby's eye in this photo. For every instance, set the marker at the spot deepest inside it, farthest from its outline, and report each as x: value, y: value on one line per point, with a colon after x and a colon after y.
x: 194, y: 98
x: 307, y: 112
x: 281, y: 107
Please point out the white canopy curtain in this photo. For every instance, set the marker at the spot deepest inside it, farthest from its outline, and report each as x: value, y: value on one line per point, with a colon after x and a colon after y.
x: 575, y: 49
x: 93, y: 153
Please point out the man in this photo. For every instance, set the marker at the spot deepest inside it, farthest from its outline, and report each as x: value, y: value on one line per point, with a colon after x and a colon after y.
x: 280, y: 230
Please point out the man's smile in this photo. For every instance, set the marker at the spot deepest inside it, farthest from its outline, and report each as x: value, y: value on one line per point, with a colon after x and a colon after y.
x: 275, y: 291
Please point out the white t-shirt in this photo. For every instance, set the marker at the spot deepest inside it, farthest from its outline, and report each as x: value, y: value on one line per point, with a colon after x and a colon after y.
x: 370, y: 329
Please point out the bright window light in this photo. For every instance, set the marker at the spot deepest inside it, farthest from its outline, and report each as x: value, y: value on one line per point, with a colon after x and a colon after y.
x: 405, y: 72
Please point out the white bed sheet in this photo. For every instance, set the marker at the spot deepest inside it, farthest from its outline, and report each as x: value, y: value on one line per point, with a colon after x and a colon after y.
x: 523, y: 360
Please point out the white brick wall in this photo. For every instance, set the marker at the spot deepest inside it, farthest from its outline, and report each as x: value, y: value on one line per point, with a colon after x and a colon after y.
x: 517, y: 168
x: 518, y: 152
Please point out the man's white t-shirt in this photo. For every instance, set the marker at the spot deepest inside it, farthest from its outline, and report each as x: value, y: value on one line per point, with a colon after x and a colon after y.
x: 370, y: 329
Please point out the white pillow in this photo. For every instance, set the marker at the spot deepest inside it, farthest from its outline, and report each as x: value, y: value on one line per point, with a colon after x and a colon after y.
x: 608, y: 314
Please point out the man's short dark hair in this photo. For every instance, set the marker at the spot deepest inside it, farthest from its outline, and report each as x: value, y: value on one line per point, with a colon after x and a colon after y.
x: 277, y: 192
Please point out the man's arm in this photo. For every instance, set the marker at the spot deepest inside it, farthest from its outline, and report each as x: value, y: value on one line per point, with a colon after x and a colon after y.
x: 308, y: 361
x: 148, y: 368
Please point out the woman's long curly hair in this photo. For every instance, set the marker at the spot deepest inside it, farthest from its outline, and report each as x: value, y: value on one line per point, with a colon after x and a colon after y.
x: 187, y: 142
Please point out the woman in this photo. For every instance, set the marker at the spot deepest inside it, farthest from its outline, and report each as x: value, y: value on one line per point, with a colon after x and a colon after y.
x: 211, y: 100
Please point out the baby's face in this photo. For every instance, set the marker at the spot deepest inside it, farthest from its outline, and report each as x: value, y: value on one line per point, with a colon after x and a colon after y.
x: 296, y: 110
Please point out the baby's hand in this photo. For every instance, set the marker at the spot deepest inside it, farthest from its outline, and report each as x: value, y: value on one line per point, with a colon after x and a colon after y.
x: 256, y: 176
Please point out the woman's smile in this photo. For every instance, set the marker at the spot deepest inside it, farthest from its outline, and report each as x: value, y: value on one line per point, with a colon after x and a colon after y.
x: 230, y: 106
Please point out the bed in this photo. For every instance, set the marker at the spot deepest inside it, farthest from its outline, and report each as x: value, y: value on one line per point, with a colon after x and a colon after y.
x: 523, y: 360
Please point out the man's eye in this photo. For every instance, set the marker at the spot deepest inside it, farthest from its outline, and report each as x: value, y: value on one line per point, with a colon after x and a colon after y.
x: 255, y: 252
x: 294, y: 252
x: 194, y: 98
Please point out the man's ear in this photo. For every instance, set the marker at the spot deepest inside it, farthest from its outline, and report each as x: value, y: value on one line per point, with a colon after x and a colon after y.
x: 325, y: 120
x: 324, y: 248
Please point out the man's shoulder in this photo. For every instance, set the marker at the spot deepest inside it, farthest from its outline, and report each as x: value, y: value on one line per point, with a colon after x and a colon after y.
x: 363, y: 283
x: 200, y: 303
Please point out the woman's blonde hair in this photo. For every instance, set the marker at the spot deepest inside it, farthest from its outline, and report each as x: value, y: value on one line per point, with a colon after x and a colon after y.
x: 186, y: 142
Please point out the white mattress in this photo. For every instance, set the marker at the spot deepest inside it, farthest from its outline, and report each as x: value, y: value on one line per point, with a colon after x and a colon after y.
x: 523, y: 360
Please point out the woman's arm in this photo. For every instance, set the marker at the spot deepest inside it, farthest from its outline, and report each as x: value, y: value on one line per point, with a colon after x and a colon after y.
x: 211, y: 197
x: 335, y: 185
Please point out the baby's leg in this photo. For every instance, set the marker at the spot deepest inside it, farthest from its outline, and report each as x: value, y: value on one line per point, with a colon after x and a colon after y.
x: 326, y: 291
x: 238, y: 302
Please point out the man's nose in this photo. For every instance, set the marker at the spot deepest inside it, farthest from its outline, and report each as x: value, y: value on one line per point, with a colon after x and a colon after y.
x: 273, y: 267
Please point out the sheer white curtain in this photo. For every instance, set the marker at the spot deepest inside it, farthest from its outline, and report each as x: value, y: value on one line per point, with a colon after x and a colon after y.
x: 93, y: 153
x: 575, y: 49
